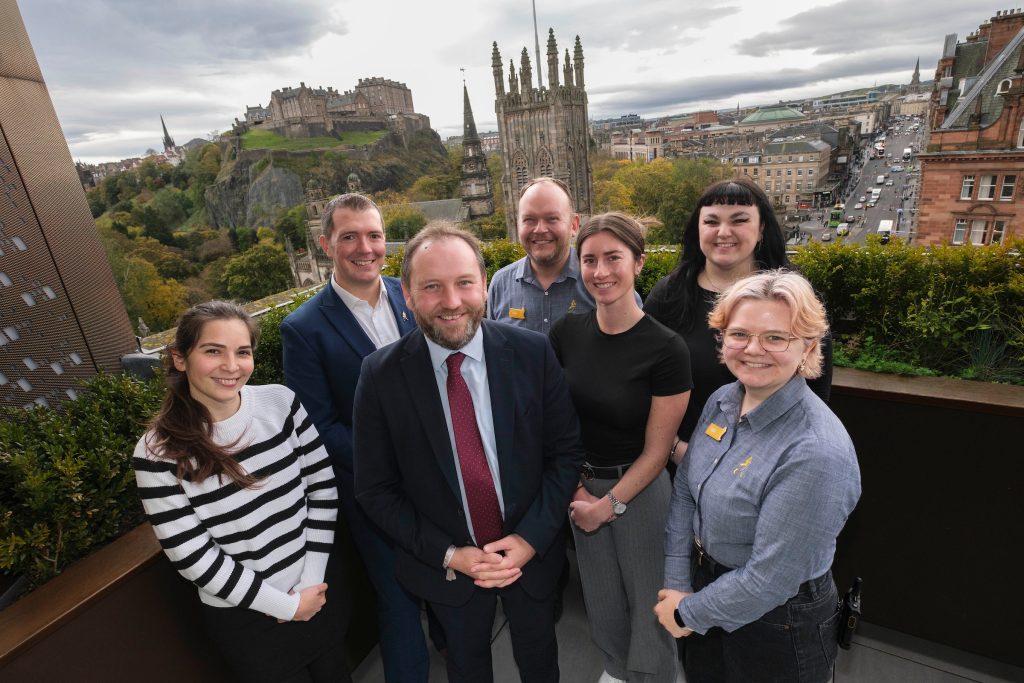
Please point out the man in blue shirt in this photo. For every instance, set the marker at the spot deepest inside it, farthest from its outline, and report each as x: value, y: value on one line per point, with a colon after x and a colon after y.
x: 540, y: 288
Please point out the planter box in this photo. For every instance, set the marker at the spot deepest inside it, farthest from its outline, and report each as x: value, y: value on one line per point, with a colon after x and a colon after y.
x: 936, y: 533
x: 124, y: 613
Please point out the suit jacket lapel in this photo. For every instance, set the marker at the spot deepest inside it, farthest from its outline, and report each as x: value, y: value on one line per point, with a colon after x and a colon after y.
x: 502, y: 386
x: 421, y: 386
x: 403, y: 316
x: 342, y: 320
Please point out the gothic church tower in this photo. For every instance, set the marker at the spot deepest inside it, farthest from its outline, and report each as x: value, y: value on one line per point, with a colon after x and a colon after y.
x: 475, y: 188
x: 543, y: 131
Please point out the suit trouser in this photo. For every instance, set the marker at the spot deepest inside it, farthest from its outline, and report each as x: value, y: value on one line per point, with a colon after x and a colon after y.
x: 622, y: 566
x: 403, y: 648
x: 531, y: 626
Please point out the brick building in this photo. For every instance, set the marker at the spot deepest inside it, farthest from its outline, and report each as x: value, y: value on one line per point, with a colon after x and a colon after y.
x: 973, y: 163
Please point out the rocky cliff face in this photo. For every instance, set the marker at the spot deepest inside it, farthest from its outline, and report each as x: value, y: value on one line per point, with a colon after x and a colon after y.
x: 255, y: 186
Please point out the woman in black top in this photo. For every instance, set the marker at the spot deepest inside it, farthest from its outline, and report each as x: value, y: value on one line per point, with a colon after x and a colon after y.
x: 629, y: 377
x: 731, y: 234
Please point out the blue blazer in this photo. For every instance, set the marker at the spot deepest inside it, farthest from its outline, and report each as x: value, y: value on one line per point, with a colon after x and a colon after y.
x: 323, y: 347
x: 405, y: 476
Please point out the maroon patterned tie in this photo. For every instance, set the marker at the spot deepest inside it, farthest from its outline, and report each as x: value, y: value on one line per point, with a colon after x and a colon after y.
x: 476, y: 476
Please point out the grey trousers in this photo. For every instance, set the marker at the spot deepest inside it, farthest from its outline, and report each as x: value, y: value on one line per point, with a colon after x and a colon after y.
x: 622, y: 565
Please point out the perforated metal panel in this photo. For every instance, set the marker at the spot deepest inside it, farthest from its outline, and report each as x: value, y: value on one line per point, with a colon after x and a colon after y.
x: 61, y: 316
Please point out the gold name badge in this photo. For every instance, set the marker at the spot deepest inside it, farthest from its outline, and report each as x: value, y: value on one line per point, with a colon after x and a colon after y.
x: 517, y: 313
x: 715, y: 432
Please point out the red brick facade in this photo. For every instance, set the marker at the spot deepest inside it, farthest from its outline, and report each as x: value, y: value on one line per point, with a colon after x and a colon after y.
x: 973, y: 173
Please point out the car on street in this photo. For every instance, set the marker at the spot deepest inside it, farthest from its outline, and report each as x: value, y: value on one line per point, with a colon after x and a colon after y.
x: 858, y: 205
x: 888, y: 183
x: 850, y: 219
x: 863, y: 198
x: 897, y: 169
x: 826, y: 237
x: 871, y: 203
x: 841, y: 229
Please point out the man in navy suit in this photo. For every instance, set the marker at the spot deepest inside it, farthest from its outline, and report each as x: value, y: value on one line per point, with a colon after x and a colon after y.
x: 324, y: 343
x: 466, y: 454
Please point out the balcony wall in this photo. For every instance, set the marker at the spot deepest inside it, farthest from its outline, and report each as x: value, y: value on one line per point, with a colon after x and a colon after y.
x: 936, y: 535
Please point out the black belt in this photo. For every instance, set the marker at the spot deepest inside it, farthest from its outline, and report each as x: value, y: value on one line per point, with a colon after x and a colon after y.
x: 589, y: 471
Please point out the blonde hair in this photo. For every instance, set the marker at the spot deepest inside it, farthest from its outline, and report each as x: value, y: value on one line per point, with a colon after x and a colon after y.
x: 807, y: 315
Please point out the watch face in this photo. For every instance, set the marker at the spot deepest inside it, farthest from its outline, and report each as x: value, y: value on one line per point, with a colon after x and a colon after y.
x: 619, y: 508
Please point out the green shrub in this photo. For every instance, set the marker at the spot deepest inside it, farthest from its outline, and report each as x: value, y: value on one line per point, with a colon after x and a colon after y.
x: 956, y: 311
x: 268, y: 358
x: 66, y: 480
x: 657, y: 265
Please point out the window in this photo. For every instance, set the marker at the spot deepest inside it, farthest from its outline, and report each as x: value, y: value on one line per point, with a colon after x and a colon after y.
x: 789, y: 186
x: 978, y: 232
x: 967, y: 187
x: 791, y: 159
x: 799, y: 171
x: 789, y: 171
x: 745, y: 172
x: 810, y: 171
x: 997, y: 232
x: 959, y: 230
x: 813, y: 157
x: 1006, y: 191
x: 987, y: 188
x: 800, y: 158
x: 755, y: 172
x: 787, y: 199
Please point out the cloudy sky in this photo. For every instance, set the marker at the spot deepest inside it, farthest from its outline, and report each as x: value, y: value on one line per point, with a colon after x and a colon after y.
x: 114, y: 66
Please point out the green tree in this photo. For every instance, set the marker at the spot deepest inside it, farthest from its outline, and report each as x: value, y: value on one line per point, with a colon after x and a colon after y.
x: 261, y: 271
x: 292, y: 224
x: 402, y: 221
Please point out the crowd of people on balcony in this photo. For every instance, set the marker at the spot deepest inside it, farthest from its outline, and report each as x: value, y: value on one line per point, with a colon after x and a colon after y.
x: 463, y: 430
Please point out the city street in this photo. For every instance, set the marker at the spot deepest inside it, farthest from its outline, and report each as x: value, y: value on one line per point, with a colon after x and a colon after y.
x: 896, y: 202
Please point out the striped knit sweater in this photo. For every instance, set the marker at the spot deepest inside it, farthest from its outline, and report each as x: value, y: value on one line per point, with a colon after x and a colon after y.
x: 249, y: 547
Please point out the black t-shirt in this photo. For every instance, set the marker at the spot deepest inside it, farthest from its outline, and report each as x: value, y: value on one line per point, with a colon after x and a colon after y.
x: 709, y: 372
x: 612, y: 378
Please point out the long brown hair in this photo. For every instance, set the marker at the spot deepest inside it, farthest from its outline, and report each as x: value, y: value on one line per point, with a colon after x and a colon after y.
x: 183, y: 429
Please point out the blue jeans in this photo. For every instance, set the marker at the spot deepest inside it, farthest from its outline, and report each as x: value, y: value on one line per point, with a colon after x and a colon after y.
x: 793, y: 643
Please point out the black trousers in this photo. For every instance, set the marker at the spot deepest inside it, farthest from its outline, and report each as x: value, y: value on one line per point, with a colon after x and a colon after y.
x: 258, y: 649
x: 531, y: 625
x: 793, y: 643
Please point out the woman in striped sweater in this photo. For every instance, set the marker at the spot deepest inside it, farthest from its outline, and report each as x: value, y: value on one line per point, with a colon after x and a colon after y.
x: 242, y: 497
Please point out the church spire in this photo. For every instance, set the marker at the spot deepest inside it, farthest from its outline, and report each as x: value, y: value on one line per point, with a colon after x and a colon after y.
x: 469, y: 134
x: 168, y: 140
x: 577, y: 62
x: 916, y: 78
x: 552, y: 60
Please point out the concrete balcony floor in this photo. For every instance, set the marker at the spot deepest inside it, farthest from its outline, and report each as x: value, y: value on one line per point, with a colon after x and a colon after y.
x: 878, y: 655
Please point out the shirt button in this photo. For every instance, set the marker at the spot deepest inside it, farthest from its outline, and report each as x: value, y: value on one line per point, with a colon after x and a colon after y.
x: 545, y: 319
x: 545, y: 293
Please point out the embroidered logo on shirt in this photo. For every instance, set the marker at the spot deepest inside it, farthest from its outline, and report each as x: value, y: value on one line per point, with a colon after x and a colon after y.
x: 742, y: 468
x: 572, y: 306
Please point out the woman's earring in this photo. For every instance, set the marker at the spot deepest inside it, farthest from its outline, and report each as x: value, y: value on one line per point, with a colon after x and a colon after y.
x: 803, y: 364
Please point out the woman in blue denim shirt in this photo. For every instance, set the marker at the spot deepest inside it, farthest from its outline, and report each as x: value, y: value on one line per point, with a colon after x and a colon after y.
x: 766, y: 486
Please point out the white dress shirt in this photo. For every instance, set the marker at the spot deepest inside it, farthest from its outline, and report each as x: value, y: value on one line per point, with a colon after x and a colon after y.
x: 474, y: 371
x: 378, y: 321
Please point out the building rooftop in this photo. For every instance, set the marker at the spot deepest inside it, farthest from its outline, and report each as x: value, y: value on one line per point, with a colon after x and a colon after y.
x: 774, y: 115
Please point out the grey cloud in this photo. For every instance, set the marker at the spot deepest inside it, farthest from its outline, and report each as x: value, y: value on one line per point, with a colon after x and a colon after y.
x: 605, y: 24
x: 680, y: 94
x: 827, y: 30
x: 152, y: 38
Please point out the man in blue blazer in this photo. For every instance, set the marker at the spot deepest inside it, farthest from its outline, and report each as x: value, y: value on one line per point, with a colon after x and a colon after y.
x: 466, y: 454
x: 324, y: 342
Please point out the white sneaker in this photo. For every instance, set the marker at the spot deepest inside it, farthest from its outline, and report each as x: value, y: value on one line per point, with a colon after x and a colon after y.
x: 608, y: 678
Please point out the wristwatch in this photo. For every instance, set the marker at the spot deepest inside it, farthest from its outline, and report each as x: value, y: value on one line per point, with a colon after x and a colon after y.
x: 679, y: 618
x: 618, y: 507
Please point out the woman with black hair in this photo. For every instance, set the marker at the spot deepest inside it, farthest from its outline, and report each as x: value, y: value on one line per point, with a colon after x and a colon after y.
x: 242, y: 497
x: 731, y: 234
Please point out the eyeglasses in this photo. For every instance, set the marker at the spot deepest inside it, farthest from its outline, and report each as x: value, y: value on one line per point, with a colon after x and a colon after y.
x: 774, y: 342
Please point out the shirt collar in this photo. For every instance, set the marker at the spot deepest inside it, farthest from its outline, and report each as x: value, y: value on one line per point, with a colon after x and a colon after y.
x: 350, y: 299
x: 770, y: 409
x: 571, y: 269
x: 474, y: 348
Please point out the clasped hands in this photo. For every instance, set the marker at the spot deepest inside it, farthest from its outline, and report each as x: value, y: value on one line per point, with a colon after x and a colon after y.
x: 311, y: 601
x: 589, y: 512
x: 497, y: 564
